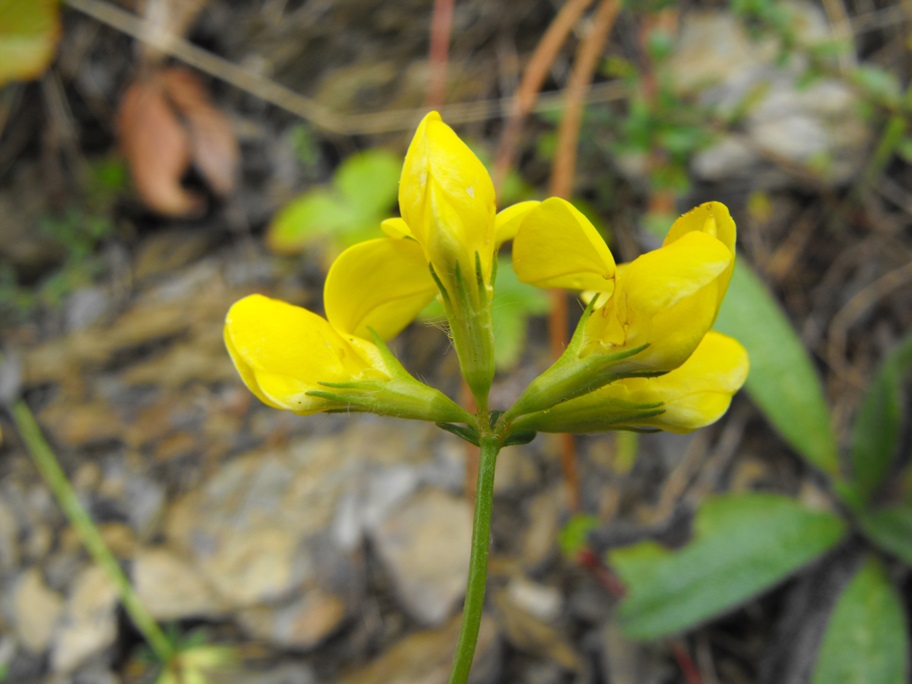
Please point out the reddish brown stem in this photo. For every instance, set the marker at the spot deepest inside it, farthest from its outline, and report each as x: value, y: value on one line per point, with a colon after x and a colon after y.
x: 441, y: 28
x: 532, y: 80
x: 563, y: 172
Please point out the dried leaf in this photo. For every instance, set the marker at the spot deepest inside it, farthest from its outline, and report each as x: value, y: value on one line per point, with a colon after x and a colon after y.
x: 214, y: 147
x: 167, y: 122
x: 157, y: 148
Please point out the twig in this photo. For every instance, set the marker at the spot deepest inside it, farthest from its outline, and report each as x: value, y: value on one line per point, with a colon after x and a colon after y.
x: 563, y: 171
x: 532, y: 80
x: 441, y: 28
x: 855, y: 308
x: 321, y: 117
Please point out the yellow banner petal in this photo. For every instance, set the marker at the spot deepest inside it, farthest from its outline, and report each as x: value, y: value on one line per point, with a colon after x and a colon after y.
x: 556, y: 246
x: 380, y: 284
x: 447, y: 199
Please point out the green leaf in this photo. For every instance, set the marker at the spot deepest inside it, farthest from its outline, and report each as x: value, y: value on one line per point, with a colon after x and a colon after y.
x: 312, y: 217
x: 574, y: 536
x: 369, y: 181
x: 782, y: 380
x: 742, y: 544
x: 866, y: 640
x: 513, y: 303
x: 879, y: 83
x: 29, y: 31
x: 879, y: 423
x: 891, y: 529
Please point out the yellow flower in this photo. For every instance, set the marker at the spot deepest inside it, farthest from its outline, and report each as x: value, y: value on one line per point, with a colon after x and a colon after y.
x: 294, y: 359
x: 446, y: 199
x: 694, y: 395
x: 647, y: 316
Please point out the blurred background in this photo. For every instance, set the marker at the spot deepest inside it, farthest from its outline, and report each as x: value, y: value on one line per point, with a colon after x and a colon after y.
x: 161, y: 159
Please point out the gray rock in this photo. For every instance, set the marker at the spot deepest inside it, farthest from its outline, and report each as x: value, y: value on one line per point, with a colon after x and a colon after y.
x: 425, y: 548
x: 85, y: 306
x: 171, y: 588
x: 89, y: 623
x: 37, y: 610
x: 276, y: 533
x: 813, y: 125
x: 9, y: 540
x: 425, y: 658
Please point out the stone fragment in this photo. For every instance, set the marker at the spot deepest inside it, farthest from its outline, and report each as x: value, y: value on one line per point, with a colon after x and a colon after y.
x: 37, y: 609
x: 533, y: 636
x: 539, y: 600
x: 9, y: 539
x: 425, y: 547
x: 425, y: 658
x: 539, y: 538
x: 89, y: 622
x: 171, y: 588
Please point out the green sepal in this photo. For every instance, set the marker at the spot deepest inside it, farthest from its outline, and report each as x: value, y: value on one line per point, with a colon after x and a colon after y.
x: 519, y: 438
x: 400, y: 395
x: 469, y: 434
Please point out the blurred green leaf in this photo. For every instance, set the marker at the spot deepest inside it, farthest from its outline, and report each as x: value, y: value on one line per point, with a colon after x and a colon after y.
x: 782, y: 380
x: 891, y: 529
x: 879, y: 424
x: 29, y: 32
x: 362, y: 195
x: 866, y: 640
x: 573, y: 536
x: 742, y: 544
x: 313, y: 216
x: 370, y: 181
x: 879, y: 83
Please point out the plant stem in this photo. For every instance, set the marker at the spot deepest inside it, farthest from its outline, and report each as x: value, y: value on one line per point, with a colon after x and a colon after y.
x: 56, y: 479
x: 478, y: 564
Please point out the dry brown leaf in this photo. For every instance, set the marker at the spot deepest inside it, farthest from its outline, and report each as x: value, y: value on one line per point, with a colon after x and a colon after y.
x: 166, y: 121
x: 157, y: 148
x: 213, y: 144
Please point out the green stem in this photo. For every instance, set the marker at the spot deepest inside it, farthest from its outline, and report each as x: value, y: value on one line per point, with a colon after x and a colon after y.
x: 50, y: 470
x: 478, y: 564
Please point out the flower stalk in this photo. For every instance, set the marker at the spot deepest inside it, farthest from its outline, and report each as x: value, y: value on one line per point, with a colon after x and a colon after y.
x: 478, y: 562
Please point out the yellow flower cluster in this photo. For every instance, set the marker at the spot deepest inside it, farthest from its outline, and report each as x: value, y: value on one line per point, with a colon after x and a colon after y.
x: 642, y: 356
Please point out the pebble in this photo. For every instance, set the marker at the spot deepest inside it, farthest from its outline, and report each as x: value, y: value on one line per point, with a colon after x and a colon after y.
x: 171, y: 588
x: 811, y: 124
x: 9, y: 539
x: 89, y: 621
x: 425, y: 658
x: 425, y: 548
x: 37, y: 609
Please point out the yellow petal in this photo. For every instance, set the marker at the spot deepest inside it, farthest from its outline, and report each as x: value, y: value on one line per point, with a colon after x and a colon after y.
x: 395, y: 228
x: 283, y: 351
x: 447, y: 199
x: 379, y: 284
x: 712, y: 218
x: 659, y: 279
x: 698, y: 392
x: 508, y: 221
x: 667, y: 299
x: 556, y: 246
